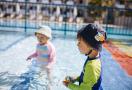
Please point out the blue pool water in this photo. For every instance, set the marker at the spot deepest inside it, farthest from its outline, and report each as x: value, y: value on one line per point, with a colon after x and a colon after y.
x: 33, y: 25
x: 8, y: 39
x: 15, y: 71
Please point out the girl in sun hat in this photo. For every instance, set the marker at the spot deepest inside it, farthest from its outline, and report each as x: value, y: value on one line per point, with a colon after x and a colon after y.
x: 90, y: 39
x: 45, y: 53
x: 45, y: 30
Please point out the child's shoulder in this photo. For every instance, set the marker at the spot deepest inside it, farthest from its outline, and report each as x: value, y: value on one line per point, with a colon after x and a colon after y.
x: 50, y: 45
x: 93, y: 63
x: 49, y: 42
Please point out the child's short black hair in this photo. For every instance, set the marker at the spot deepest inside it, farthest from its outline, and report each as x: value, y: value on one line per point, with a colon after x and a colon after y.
x: 88, y: 34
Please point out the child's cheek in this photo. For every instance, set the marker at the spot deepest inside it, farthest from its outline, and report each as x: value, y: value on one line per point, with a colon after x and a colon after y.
x: 81, y: 51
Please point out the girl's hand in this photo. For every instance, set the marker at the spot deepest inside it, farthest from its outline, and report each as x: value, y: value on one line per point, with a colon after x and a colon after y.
x: 71, y: 79
x: 29, y: 58
x: 65, y: 82
x: 68, y: 79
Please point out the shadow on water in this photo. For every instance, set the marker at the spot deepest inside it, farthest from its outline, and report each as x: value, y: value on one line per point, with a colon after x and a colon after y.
x: 7, y: 79
x: 26, y: 81
x: 25, y: 84
x: 31, y: 81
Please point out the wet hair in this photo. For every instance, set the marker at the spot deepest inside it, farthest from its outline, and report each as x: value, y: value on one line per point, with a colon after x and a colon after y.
x: 88, y: 34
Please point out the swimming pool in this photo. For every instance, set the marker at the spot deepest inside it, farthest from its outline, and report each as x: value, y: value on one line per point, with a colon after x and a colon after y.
x: 14, y: 69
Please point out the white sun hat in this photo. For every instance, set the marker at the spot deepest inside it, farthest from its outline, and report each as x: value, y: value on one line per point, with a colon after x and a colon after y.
x: 45, y: 30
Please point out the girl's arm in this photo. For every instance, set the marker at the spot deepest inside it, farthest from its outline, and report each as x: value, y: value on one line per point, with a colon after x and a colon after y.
x: 77, y: 79
x: 91, y: 76
x: 32, y: 56
x: 52, y: 57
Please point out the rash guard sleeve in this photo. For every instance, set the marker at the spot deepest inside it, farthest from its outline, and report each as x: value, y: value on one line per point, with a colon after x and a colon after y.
x: 91, y: 75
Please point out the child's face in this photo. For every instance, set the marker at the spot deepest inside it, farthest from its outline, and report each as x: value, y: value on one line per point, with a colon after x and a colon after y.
x: 42, y: 38
x: 83, y: 47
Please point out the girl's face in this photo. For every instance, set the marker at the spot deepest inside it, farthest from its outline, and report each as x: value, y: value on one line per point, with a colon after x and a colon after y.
x: 42, y: 38
x: 83, y: 47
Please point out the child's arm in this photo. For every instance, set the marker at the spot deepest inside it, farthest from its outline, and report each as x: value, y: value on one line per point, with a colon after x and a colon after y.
x: 69, y: 79
x: 89, y: 79
x: 52, y: 57
x: 32, y: 56
x: 77, y: 79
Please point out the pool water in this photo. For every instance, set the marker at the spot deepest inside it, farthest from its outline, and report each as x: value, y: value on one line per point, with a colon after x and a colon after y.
x: 31, y: 26
x: 8, y: 39
x: 15, y: 70
x: 36, y: 24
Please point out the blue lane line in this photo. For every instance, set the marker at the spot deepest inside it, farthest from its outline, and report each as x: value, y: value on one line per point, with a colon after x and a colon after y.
x: 9, y: 46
